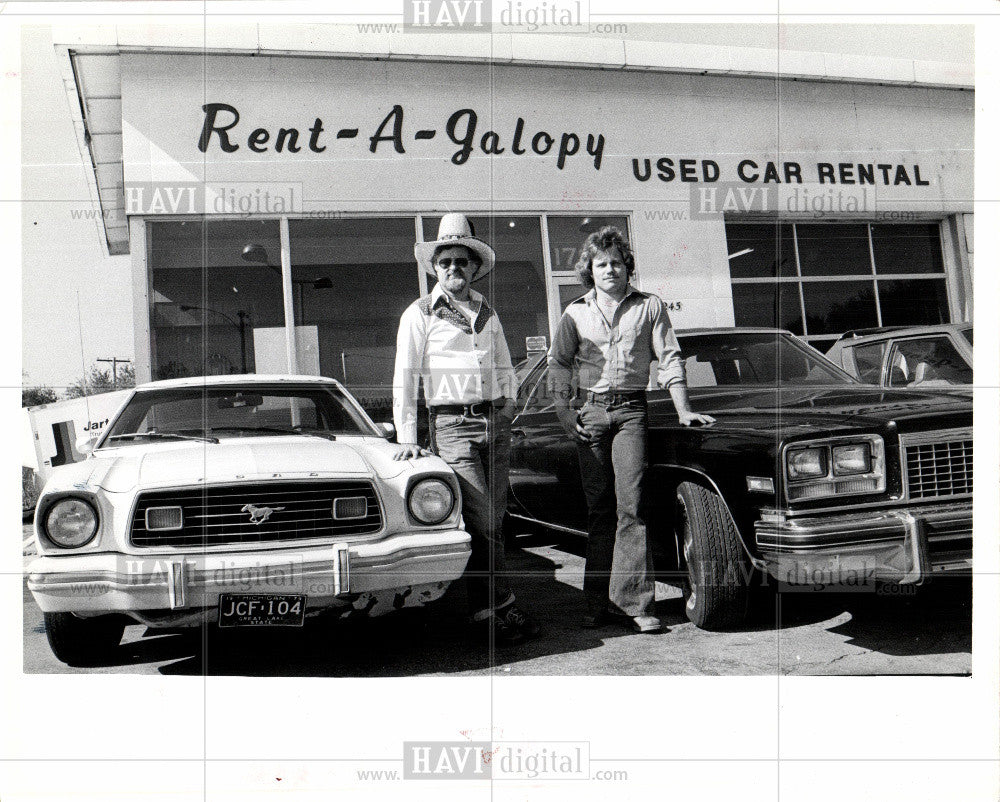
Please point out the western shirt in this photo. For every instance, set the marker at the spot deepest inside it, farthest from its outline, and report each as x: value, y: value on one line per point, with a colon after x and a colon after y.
x: 460, y: 361
x: 614, y: 355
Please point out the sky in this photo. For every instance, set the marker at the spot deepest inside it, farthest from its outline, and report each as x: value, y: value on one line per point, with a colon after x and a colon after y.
x: 77, y: 302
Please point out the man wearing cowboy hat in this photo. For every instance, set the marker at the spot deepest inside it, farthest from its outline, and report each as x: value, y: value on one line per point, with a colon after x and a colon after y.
x: 453, y: 341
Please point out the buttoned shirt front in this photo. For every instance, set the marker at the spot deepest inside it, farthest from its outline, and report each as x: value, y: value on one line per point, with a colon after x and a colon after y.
x: 616, y: 354
x: 460, y: 361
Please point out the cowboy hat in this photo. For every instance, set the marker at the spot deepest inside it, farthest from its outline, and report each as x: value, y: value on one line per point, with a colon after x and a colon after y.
x: 455, y: 229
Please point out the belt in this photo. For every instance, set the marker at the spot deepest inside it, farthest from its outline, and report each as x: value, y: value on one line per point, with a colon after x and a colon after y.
x: 615, y: 397
x: 470, y: 410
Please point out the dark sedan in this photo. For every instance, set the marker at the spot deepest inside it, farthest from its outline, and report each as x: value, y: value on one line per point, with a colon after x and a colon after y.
x: 808, y: 476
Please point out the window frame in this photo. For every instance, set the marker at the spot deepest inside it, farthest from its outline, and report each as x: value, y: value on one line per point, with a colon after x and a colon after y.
x: 876, y: 278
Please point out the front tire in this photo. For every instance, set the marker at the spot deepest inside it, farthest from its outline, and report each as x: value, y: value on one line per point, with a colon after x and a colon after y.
x: 717, y: 589
x: 83, y: 641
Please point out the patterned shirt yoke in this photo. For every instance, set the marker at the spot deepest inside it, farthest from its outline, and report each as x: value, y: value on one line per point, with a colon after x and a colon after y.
x: 458, y: 361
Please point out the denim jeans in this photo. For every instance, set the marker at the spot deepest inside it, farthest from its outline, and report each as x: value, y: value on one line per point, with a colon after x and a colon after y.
x: 478, y: 450
x: 613, y: 466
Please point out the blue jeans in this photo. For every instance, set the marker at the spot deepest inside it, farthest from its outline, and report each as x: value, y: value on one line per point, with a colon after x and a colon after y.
x: 613, y: 466
x: 478, y: 450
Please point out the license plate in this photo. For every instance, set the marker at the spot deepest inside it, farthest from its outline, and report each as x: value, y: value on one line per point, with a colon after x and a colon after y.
x: 261, y: 610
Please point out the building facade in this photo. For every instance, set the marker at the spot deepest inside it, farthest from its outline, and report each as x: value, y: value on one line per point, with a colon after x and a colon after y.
x: 273, y: 193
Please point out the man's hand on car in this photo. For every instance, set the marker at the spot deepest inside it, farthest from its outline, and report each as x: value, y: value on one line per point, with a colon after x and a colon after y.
x: 693, y: 418
x: 410, y: 451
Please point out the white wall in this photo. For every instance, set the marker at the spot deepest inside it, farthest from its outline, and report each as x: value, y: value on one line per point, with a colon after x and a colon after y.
x: 62, y: 235
x: 641, y: 115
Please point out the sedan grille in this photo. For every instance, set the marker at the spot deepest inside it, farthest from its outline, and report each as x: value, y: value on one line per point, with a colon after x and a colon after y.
x: 938, y: 464
x: 258, y: 513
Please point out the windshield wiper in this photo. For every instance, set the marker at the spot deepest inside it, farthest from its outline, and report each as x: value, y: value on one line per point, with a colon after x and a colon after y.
x: 164, y: 436
x: 275, y: 430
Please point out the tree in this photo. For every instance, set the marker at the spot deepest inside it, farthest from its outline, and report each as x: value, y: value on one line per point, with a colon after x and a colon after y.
x: 99, y: 380
x: 33, y: 396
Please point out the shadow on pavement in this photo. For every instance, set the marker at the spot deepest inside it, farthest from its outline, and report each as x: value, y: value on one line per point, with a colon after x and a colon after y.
x: 433, y: 639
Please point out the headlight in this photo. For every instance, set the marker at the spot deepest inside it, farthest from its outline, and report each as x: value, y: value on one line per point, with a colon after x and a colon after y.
x: 843, y: 466
x: 431, y: 501
x: 806, y: 463
x: 71, y: 523
x: 855, y: 458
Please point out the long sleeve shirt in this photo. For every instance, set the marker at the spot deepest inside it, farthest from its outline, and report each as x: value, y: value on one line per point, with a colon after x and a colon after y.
x: 616, y: 355
x: 460, y: 361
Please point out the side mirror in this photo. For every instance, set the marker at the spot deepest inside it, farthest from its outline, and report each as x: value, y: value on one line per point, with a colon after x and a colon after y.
x: 388, y: 430
x: 85, y: 445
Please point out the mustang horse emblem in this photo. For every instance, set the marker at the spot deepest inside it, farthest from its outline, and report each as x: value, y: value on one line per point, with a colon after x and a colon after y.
x: 259, y: 514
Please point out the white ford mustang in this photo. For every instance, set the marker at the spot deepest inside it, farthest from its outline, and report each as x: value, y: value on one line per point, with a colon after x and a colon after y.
x: 241, y: 500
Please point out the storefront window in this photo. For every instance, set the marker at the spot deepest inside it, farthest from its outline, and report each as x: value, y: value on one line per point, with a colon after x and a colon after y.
x: 516, y: 287
x: 773, y: 305
x: 569, y: 293
x: 820, y: 280
x: 761, y: 251
x: 212, y: 301
x: 568, y: 233
x: 352, y: 279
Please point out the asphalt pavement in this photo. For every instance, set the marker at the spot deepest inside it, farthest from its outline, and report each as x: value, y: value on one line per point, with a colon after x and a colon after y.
x: 861, y: 633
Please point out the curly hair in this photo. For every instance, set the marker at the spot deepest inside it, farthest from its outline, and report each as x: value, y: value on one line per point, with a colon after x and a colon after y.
x: 608, y: 238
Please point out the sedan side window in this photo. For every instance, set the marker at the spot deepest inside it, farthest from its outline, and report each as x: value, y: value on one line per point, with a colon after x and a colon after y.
x: 868, y: 361
x: 927, y: 360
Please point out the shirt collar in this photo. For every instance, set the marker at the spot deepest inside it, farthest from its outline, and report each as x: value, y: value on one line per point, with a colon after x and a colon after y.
x: 591, y: 296
x: 439, y: 296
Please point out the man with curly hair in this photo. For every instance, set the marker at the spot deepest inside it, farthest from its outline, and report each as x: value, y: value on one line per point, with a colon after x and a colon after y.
x: 609, y: 338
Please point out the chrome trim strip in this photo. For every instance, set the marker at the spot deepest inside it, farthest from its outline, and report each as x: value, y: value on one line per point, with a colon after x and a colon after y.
x: 177, y: 584
x: 568, y: 529
x: 341, y: 569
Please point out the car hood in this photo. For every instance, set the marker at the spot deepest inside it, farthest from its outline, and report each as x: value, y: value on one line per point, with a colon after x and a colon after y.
x: 831, y: 407
x: 167, y: 464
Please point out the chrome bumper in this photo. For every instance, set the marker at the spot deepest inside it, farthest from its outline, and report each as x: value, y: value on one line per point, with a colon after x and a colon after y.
x: 402, y: 570
x: 902, y: 545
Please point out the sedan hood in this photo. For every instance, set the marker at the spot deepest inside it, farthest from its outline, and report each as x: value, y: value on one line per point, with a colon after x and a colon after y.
x: 767, y: 409
x: 120, y: 470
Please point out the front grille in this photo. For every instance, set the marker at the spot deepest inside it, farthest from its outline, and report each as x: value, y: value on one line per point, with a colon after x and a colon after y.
x: 215, y: 516
x: 937, y: 466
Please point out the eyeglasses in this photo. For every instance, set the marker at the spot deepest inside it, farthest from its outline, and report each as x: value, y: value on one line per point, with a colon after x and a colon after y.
x: 460, y: 263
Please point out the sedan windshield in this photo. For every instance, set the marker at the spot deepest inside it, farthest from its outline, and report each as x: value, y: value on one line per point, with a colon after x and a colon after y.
x: 713, y: 360
x: 215, y: 412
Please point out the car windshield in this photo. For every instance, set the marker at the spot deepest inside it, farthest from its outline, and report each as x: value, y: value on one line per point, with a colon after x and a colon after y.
x: 719, y: 359
x: 222, y: 411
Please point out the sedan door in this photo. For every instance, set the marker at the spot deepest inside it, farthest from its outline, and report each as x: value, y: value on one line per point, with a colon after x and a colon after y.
x: 544, y: 469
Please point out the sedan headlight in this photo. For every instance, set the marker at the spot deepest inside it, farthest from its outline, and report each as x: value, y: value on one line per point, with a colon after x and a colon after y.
x: 804, y: 463
x: 71, y: 523
x: 431, y: 501
x: 845, y: 466
x: 855, y: 458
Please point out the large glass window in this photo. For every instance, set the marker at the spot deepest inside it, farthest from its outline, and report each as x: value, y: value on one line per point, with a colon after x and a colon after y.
x: 208, y: 299
x: 352, y: 279
x: 822, y: 279
x: 218, y: 304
